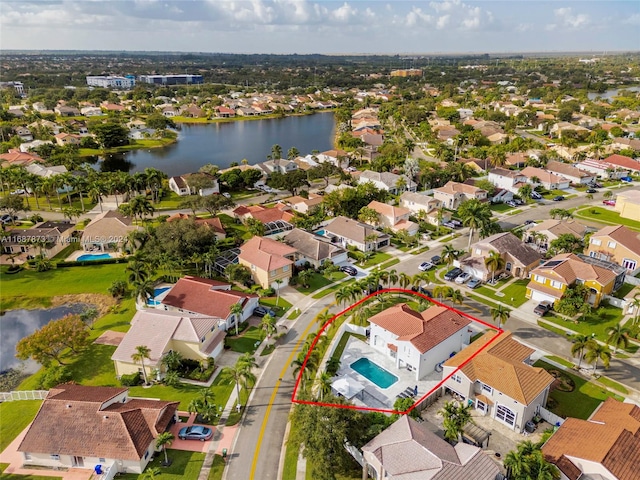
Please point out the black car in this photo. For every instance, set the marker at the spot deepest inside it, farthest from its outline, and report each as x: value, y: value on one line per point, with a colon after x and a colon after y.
x: 349, y: 270
x: 422, y: 290
x: 436, y: 259
x: 374, y: 289
x: 591, y: 190
x: 559, y: 198
x: 529, y: 222
x: 261, y: 311
x: 542, y: 308
x: 452, y: 274
x: 595, y: 185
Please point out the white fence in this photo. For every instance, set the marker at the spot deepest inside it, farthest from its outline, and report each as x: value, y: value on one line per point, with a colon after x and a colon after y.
x: 550, y: 417
x: 23, y: 395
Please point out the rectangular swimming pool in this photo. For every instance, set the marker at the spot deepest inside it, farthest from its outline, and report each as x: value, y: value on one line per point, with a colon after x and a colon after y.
x: 92, y: 256
x: 374, y: 372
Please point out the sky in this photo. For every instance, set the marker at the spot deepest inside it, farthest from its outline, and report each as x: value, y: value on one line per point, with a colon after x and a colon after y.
x: 322, y: 26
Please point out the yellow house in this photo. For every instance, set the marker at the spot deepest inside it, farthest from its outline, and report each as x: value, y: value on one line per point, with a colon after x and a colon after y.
x: 550, y: 280
x: 616, y: 244
x: 628, y: 204
x: 268, y: 261
x: 195, y: 337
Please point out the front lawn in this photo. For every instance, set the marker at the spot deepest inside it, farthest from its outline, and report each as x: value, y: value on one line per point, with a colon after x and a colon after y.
x: 516, y: 290
x: 247, y: 341
x: 184, y: 465
x: 332, y: 289
x: 217, y: 468
x: 377, y: 259
x: 171, y: 201
x: 234, y: 228
x: 574, y: 396
x: 281, y: 307
x: 316, y: 282
x: 606, y: 215
x: 500, y: 207
x: 15, y: 416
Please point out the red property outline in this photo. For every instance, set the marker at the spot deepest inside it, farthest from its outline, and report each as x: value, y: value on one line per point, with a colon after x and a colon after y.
x: 499, y: 332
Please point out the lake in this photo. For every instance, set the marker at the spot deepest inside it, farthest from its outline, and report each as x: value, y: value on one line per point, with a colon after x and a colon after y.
x: 610, y: 94
x: 224, y: 143
x: 17, y: 324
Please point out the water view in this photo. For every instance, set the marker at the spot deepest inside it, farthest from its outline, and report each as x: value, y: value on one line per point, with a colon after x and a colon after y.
x: 224, y: 143
x: 17, y: 324
x: 610, y: 94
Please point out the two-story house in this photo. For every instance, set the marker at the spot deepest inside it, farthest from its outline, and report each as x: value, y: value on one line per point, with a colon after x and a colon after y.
x: 194, y: 184
x: 314, y: 249
x: 419, y: 341
x: 549, y: 180
x: 424, y: 206
x: 571, y: 173
x: 617, y: 244
x: 519, y: 258
x: 395, y: 218
x: 268, y: 261
x: 507, y: 179
x: 550, y: 280
x: 304, y: 205
x: 391, y: 182
x: 549, y: 230
x: 452, y: 194
x: 46, y: 238
x: 497, y: 380
x: 345, y: 231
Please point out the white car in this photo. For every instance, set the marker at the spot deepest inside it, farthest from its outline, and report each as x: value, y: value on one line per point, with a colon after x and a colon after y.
x: 424, y: 266
x: 463, y: 278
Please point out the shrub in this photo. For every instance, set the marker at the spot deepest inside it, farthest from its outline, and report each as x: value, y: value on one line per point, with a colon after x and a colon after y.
x: 131, y: 380
x: 54, y: 376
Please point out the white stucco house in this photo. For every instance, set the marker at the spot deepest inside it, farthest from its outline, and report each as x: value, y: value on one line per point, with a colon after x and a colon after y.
x: 507, y: 179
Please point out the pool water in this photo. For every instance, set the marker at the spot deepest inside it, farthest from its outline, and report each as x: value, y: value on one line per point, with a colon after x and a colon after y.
x: 320, y: 232
x: 374, y: 373
x: 156, y: 293
x: 92, y: 256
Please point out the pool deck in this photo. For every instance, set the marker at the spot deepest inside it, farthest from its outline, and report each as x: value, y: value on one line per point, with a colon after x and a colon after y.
x: 384, y: 397
x: 78, y: 253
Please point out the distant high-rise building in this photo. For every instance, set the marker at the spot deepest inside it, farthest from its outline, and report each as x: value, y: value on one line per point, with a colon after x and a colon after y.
x: 410, y: 72
x: 111, y: 81
x: 171, y: 79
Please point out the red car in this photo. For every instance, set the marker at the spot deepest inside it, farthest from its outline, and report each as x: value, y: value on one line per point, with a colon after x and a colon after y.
x: 611, y: 203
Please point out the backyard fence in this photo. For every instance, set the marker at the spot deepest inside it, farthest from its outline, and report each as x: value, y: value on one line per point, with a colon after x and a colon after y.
x: 430, y: 400
x: 23, y: 395
x: 550, y: 417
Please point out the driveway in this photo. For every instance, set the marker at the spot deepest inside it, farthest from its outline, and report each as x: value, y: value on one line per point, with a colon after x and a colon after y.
x: 191, y: 445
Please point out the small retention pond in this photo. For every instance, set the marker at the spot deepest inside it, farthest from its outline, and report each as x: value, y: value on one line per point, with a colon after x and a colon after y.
x: 17, y: 324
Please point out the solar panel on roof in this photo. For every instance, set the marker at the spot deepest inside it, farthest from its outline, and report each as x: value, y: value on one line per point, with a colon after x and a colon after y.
x: 553, y: 263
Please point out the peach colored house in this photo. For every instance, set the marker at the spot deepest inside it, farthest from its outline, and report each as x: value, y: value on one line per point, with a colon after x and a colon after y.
x: 452, y: 194
x: 616, y: 244
x: 395, y: 218
x: 268, y: 261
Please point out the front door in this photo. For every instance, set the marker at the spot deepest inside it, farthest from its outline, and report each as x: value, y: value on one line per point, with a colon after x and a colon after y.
x: 78, y: 462
x: 481, y: 406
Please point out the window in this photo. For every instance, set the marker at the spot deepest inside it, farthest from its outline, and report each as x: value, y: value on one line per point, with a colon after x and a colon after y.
x: 539, y: 278
x: 487, y: 388
x: 285, y: 268
x: 478, y: 251
x: 556, y: 284
x: 146, y: 454
x: 595, y: 241
x: 273, y: 273
x: 592, y: 254
x: 102, y: 460
x: 55, y: 457
x: 508, y: 267
x: 27, y: 456
x: 505, y: 415
x: 612, y: 244
x: 202, y: 340
x: 629, y: 264
x: 456, y: 378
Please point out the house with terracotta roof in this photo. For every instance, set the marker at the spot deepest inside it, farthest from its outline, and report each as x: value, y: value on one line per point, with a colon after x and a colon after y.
x: 79, y: 426
x: 395, y: 218
x: 408, y: 450
x: 626, y: 163
x: 107, y: 232
x: 452, y: 194
x: 602, y: 169
x: 628, y: 204
x: 550, y: 280
x: 196, y: 337
x: 304, y: 205
x: 617, y: 244
x: 347, y: 231
x: 604, y: 447
x: 519, y: 258
x: 15, y: 157
x: 549, y: 180
x: 548, y: 230
x: 214, y: 223
x: 507, y: 179
x: 314, y: 249
x: 418, y: 341
x: 280, y: 211
x: 424, y: 206
x: 571, y: 173
x: 498, y: 380
x: 209, y: 298
x: 268, y: 261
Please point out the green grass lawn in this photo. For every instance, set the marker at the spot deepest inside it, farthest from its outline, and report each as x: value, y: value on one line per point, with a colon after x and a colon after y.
x: 217, y: 468
x: 624, y: 290
x: 43, y: 205
x: 291, y: 453
x: 560, y: 361
x: 377, y: 259
x: 579, y: 403
x: 482, y: 300
x: 135, y: 145
x: 515, y: 290
x: 247, y: 341
x: 230, y: 225
x: 342, y: 343
x: 614, y: 385
x: 14, y: 417
x: 185, y: 465
x: 607, y: 216
x: 332, y: 289
x: 281, y: 307
x: 551, y: 328
x: 388, y: 264
x: 500, y: 207
x: 316, y: 282
x: 31, y: 289
x: 171, y: 200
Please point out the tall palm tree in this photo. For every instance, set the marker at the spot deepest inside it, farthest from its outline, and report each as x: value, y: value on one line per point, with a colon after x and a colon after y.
x: 455, y: 417
x: 324, y: 316
x: 163, y: 441
x: 138, y: 271
x: 142, y: 352
x: 457, y: 298
x: 343, y: 295
x: 474, y: 215
x: 449, y: 254
x: 635, y: 303
x: 494, y: 262
x: 268, y: 324
x: 279, y: 282
x: 501, y: 314
x: 404, y: 280
x: 143, y: 290
x: 236, y: 310
x: 579, y: 343
x: 596, y: 352
x: 323, y: 384
x: 618, y: 336
x: 442, y: 292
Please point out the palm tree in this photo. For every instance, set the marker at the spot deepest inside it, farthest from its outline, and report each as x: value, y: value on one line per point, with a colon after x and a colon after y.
x: 268, y: 324
x: 474, y: 215
x: 163, y: 441
x: 494, y: 262
x: 635, y: 303
x: 528, y: 463
x: 172, y: 360
x: 324, y: 316
x: 455, y: 417
x: 242, y: 372
x: 596, y: 352
x: 580, y: 342
x: 449, y: 254
x: 143, y: 290
x: 343, y: 294
x: 236, y: 310
x: 618, y: 336
x: 323, y: 384
x: 442, y: 292
x: 278, y: 283
x: 138, y: 271
x: 404, y: 280
x: 151, y: 473
x: 501, y: 314
x: 457, y: 297
x: 142, y: 352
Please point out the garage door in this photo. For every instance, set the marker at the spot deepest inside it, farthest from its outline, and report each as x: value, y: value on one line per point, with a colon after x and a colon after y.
x: 505, y: 415
x: 541, y: 297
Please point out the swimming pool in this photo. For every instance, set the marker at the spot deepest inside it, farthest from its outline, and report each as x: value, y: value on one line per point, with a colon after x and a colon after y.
x: 92, y: 256
x: 320, y: 232
x: 156, y: 293
x: 374, y: 372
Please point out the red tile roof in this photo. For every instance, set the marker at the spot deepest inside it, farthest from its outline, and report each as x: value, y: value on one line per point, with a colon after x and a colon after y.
x: 266, y: 254
x: 624, y: 162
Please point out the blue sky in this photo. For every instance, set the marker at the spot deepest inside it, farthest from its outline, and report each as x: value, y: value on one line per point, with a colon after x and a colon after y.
x: 319, y: 26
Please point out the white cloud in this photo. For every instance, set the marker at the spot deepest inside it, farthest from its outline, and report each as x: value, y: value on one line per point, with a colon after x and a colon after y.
x: 633, y: 19
x: 443, y: 22
x: 416, y: 17
x: 567, y: 19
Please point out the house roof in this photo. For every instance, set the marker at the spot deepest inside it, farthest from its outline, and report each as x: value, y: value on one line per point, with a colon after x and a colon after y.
x: 508, y: 243
x: 566, y: 169
x: 266, y: 254
x: 311, y: 246
x: 389, y: 211
x: 73, y: 420
x: 621, y: 234
x: 265, y: 214
x: 156, y: 328
x: 568, y: 268
x: 410, y: 451
x: 503, y: 172
x: 560, y: 227
x: 107, y: 225
x: 420, y: 199
x: 630, y: 196
x: 423, y: 330
x: 501, y: 366
x: 48, y: 231
x: 611, y: 437
x: 456, y: 187
x: 387, y: 178
x: 543, y: 175
x: 213, y: 222
x: 205, y: 297
x: 351, y: 229
x: 624, y: 162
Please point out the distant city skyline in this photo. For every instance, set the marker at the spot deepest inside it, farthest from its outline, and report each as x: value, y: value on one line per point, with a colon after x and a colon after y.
x: 321, y: 26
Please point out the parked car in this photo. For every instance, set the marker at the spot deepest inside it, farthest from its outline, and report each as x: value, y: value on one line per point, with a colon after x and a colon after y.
x: 611, y: 203
x: 374, y: 289
x: 195, y: 432
x: 536, y: 196
x: 529, y: 222
x: 512, y: 203
x: 595, y: 185
x: 436, y: 259
x: 349, y: 270
x: 6, y: 218
x: 463, y: 278
x: 261, y: 311
x: 226, y: 195
x: 422, y: 290
x: 20, y: 191
x: 449, y: 225
x: 457, y: 223
x: 591, y: 190
x: 452, y: 274
x: 559, y: 198
x: 474, y: 283
x: 542, y: 308
x: 424, y: 266
x: 626, y: 179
